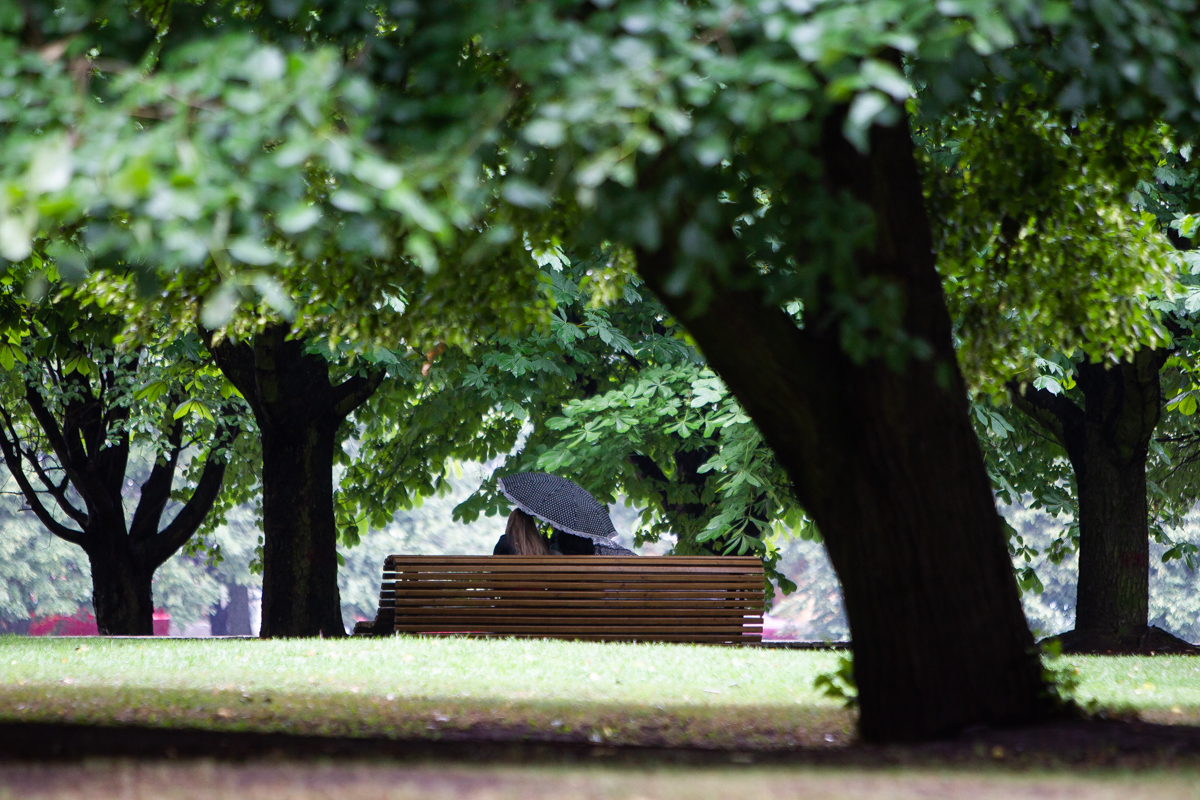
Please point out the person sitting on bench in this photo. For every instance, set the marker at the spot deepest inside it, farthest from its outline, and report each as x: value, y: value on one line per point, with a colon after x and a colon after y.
x: 522, y: 538
x: 579, y: 524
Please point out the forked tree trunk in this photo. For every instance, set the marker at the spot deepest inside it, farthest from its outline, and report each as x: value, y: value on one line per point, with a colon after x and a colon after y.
x: 91, y: 443
x: 887, y: 464
x: 1107, y: 441
x: 298, y: 412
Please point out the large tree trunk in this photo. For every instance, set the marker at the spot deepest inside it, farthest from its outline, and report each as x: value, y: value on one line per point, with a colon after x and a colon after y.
x: 1108, y: 441
x: 300, y: 591
x: 298, y: 412
x: 887, y: 464
x: 121, y: 594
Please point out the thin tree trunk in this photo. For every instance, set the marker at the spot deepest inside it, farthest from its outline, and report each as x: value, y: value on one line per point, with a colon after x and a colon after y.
x: 1113, y: 595
x: 237, y: 613
x: 887, y: 464
x: 233, y: 619
x: 121, y: 594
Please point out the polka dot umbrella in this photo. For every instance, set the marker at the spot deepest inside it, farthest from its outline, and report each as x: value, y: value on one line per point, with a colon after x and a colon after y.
x: 564, y: 504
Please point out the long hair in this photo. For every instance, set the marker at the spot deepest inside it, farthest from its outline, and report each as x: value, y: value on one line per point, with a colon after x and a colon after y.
x: 523, y: 535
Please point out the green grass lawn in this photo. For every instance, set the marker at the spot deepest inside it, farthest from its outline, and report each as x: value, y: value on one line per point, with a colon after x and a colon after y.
x: 1162, y: 689
x: 403, y: 686
x: 673, y: 695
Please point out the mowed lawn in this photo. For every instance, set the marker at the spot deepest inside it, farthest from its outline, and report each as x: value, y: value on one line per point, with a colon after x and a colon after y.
x: 671, y: 695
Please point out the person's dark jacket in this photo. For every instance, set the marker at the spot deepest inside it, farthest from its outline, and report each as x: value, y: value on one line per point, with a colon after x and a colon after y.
x: 564, y: 543
x: 571, y: 545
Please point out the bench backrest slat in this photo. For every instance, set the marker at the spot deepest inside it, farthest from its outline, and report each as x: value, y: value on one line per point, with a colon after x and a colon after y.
x: 716, y: 599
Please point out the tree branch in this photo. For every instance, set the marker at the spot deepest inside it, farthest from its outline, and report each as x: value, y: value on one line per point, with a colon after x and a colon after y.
x: 353, y: 392
x: 83, y: 418
x: 111, y: 462
x: 74, y: 461
x: 13, y: 461
x: 158, y: 549
x: 57, y: 491
x: 236, y: 362
x: 156, y: 491
x: 1054, y: 413
x: 54, y: 434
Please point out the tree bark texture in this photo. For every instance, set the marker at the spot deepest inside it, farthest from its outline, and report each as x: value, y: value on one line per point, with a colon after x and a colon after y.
x: 1108, y: 441
x: 887, y: 464
x: 123, y: 554
x: 121, y: 595
x: 298, y: 412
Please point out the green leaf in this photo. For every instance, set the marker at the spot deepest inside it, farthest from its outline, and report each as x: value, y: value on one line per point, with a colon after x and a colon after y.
x: 252, y: 251
x: 151, y: 392
x: 192, y: 406
x: 1186, y: 404
x: 77, y: 362
x: 297, y: 218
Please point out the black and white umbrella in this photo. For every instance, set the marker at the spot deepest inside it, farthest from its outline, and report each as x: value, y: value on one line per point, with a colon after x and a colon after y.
x: 564, y: 504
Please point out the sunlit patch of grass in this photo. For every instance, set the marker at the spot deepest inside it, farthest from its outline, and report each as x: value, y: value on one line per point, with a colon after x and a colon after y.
x: 405, y: 686
x: 1163, y: 689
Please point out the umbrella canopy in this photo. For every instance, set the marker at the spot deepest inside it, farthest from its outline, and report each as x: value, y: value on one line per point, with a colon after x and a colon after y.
x: 564, y: 504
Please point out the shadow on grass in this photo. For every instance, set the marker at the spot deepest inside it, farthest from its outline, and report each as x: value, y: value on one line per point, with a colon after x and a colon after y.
x: 345, y: 714
x: 41, y: 722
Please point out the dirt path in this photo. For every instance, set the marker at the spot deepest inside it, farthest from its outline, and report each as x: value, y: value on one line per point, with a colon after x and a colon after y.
x: 361, y: 781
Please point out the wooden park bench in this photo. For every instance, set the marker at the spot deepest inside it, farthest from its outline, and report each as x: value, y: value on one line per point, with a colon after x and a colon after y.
x: 713, y: 599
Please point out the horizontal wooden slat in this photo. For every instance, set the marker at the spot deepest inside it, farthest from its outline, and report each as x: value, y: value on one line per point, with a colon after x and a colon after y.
x: 591, y: 630
x: 628, y: 561
x: 666, y: 637
x: 566, y: 591
x: 594, y: 577
x: 574, y: 575
x: 580, y: 569
x: 662, y: 590
x: 533, y: 626
x: 598, y: 597
x: 584, y: 612
x: 615, y: 605
x: 582, y: 617
x: 610, y: 589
